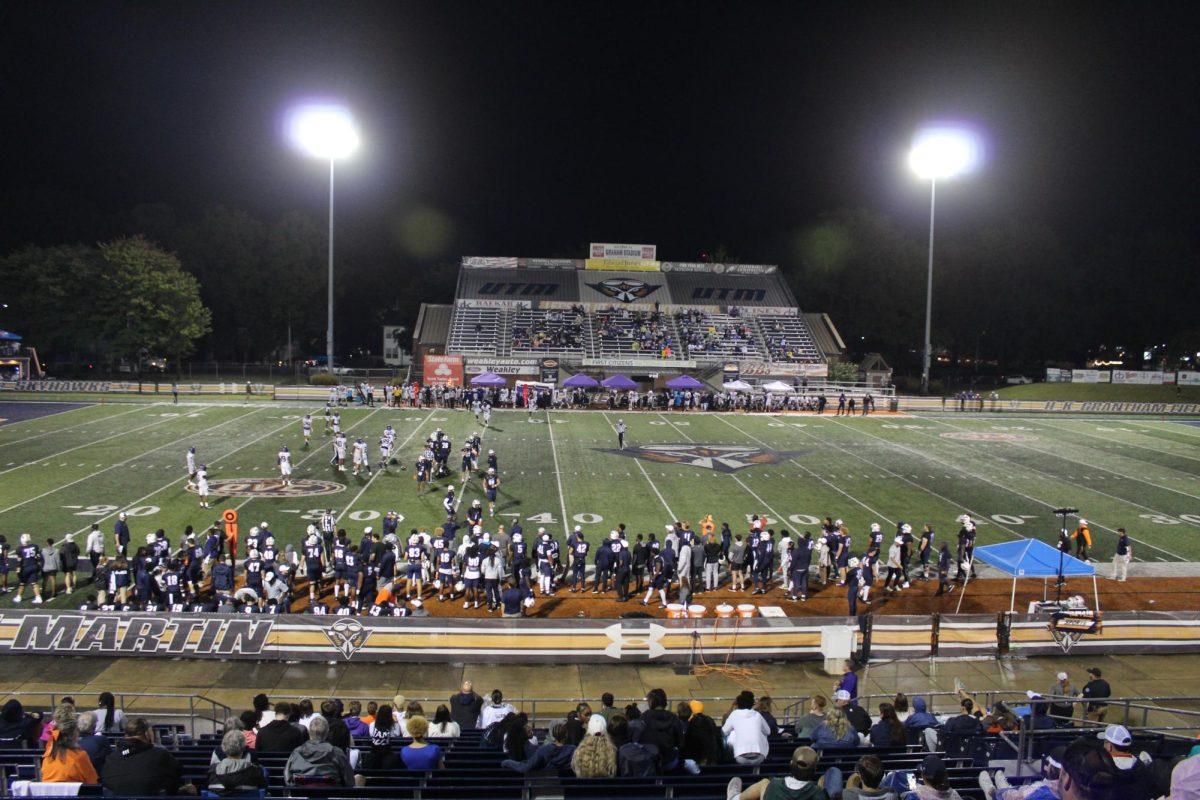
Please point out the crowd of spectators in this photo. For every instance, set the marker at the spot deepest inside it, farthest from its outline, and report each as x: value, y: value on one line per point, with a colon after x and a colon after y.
x: 641, y: 331
x: 702, y: 333
x: 550, y: 330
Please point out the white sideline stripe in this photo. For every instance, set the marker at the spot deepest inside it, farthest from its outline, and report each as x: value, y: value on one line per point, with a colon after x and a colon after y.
x: 653, y: 485
x: 562, y: 502
x: 925, y: 489
x: 837, y: 489
x: 315, y: 450
x: 379, y: 472
x: 736, y: 479
x: 89, y: 444
x: 1010, y: 490
x: 1130, y: 444
x: 64, y: 430
x: 1089, y: 466
x: 120, y: 464
x: 175, y: 481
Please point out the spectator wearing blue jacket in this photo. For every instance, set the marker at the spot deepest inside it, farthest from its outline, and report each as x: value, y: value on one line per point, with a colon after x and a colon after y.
x: 920, y: 718
x: 554, y: 755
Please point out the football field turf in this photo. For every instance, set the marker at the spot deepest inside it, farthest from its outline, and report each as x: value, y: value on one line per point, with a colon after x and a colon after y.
x: 66, y: 466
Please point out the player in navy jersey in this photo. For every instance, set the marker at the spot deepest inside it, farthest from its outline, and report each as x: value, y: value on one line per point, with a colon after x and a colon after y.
x: 421, y: 475
x: 519, y: 557
x: 193, y: 572
x: 579, y: 552
x: 604, y: 565
x: 464, y: 471
x: 472, y: 571
x: 351, y: 571
x: 875, y: 540
x: 445, y: 572
x: 172, y: 585
x: 658, y: 577
x: 253, y: 540
x: 475, y: 514
x: 491, y: 483
x: 314, y: 564
x: 341, y: 546
x: 448, y: 503
x: 927, y: 550
x: 414, y: 557
x: 252, y: 567
x: 29, y: 568
x: 493, y: 462
x: 269, y: 554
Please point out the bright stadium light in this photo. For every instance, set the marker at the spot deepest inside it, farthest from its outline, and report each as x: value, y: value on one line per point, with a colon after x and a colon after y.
x: 326, y: 131
x: 939, y: 153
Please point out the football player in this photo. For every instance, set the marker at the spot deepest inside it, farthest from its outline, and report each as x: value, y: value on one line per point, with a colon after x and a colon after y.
x: 579, y: 548
x: 329, y: 417
x: 385, y: 452
x: 487, y: 415
x: 658, y: 577
x: 421, y: 474
x: 284, y: 460
x: 465, y: 468
x: 254, y: 576
x: 337, y: 422
x: 202, y: 485
x: 493, y: 462
x: 360, y: 456
x: 448, y: 502
x: 491, y: 483
x: 29, y: 562
x: 472, y: 576
x: 306, y: 428
x: 475, y: 514
x: 341, y: 546
x: 191, y: 468
x: 314, y: 563
x: 414, y: 555
x: 339, y: 452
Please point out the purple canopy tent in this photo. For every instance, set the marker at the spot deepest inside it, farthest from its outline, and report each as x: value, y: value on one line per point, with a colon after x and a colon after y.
x: 684, y: 382
x: 618, y: 382
x: 580, y: 381
x: 488, y: 379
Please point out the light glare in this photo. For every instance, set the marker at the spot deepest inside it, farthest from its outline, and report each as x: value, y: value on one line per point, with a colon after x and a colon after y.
x: 323, y: 131
x: 944, y: 152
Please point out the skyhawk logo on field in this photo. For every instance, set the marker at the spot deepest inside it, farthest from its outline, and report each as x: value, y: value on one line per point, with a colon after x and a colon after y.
x: 270, y: 487
x: 719, y: 457
x: 624, y: 289
x: 348, y: 636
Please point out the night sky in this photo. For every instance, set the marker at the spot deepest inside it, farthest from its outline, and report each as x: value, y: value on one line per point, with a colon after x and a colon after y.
x: 504, y: 128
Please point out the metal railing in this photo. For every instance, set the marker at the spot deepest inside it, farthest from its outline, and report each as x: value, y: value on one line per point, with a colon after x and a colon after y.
x: 199, y: 710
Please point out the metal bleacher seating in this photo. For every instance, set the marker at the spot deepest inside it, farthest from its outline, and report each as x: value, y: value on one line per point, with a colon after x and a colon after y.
x: 476, y: 331
x: 705, y: 336
x: 788, y: 339
x: 547, y: 332
x: 625, y: 333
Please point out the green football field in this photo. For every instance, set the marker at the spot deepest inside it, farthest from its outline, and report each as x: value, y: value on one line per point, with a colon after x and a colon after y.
x: 64, y: 467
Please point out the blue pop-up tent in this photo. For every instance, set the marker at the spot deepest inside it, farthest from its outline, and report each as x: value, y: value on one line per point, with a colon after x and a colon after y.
x: 1033, y: 558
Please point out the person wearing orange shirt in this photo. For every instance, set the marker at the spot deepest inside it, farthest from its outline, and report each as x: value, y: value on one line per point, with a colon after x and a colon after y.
x: 1083, y: 540
x: 64, y: 761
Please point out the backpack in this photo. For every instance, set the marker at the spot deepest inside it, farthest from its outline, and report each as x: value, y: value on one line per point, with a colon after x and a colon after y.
x: 636, y: 761
x: 493, y: 737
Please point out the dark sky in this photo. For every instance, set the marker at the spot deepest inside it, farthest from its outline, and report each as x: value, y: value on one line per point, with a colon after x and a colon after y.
x: 531, y: 128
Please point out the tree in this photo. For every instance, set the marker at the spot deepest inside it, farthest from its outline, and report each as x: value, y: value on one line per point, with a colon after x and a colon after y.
x: 150, y: 304
x: 51, y: 300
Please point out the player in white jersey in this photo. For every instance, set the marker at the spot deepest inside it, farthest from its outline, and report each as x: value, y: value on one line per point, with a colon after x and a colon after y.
x: 385, y: 452
x: 487, y: 414
x: 339, y: 452
x: 337, y: 422
x: 477, y: 408
x: 306, y: 428
x: 202, y: 485
x: 284, y: 459
x: 360, y: 456
x: 191, y: 467
x: 328, y: 419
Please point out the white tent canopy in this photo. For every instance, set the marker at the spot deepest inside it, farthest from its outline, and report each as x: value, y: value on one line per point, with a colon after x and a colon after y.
x: 737, y: 386
x: 778, y: 386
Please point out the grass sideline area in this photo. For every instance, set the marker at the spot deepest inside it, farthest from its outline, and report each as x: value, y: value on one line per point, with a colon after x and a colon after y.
x: 63, y: 471
x: 1102, y: 392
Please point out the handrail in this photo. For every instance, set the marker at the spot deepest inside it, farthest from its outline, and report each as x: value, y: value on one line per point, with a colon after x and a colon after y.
x: 197, y: 705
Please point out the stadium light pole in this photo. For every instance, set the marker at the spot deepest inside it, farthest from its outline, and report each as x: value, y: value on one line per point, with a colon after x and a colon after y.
x: 327, y: 132
x: 938, y: 154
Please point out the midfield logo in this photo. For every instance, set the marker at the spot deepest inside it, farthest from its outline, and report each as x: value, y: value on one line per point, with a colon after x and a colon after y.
x: 624, y: 289
x: 719, y: 457
x: 348, y: 636
x: 270, y: 487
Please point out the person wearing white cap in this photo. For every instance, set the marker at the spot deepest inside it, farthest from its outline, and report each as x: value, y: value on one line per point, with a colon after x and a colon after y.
x: 1062, y: 708
x: 894, y: 574
x: 1117, y: 741
x: 1083, y: 539
x: 854, y: 585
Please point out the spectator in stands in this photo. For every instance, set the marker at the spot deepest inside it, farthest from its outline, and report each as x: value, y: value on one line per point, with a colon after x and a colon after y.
x: 385, y: 727
x: 465, y: 707
x: 518, y: 739
x: 553, y: 755
x: 607, y: 710
x: 138, y: 767
x: 931, y: 782
x: 443, y: 727
x: 798, y: 784
x: 835, y: 731
x: 305, y: 712
x: 920, y: 718
x: 231, y: 724
x: 18, y: 729
x: 1185, y: 780
x: 596, y: 756
x: 316, y: 761
x: 236, y: 772
x: 860, y: 720
x: 495, y: 709
x: 703, y: 741
x: 577, y: 721
x: 1096, y: 688
x: 1062, y: 708
x: 280, y: 735
x: 262, y: 706
x: 96, y: 746
x: 765, y: 707
x: 864, y: 783
x: 249, y: 723
x: 815, y: 717
x: 109, y: 718
x: 339, y: 734
x: 421, y: 755
x: 64, y: 761
x: 1088, y: 773
x: 1001, y: 720
x: 1116, y: 741
x: 664, y: 731
x: 889, y: 731
x: 412, y: 709
x: 1040, y: 718
x: 354, y: 723
x: 964, y: 723
x: 997, y: 788
x: 900, y: 703
x: 746, y: 732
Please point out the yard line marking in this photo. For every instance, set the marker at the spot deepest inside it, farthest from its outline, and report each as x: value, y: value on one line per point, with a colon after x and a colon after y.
x: 837, y: 489
x: 65, y: 430
x: 119, y: 464
x: 1073, y: 461
x: 175, y: 481
x: 1124, y: 444
x: 375, y: 474
x: 89, y: 444
x: 1009, y: 489
x: 653, y: 485
x: 562, y: 503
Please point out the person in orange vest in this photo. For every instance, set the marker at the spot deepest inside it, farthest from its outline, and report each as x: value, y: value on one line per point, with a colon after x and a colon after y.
x: 707, y: 526
x: 1083, y: 540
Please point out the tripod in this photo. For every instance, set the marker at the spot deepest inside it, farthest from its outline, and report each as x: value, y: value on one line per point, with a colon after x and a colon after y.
x: 1064, y: 513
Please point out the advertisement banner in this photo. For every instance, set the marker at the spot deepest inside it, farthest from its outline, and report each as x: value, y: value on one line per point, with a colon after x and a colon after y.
x: 1058, y: 375
x: 1187, y: 378
x: 443, y: 371
x: 651, y: 364
x: 483, y: 302
x: 1142, y: 377
x: 730, y: 372
x: 551, y: 263
x: 489, y: 262
x: 506, y: 369
x: 623, y: 252
x: 768, y: 369
x: 549, y: 370
x: 1085, y: 376
x: 394, y: 339
x: 615, y: 264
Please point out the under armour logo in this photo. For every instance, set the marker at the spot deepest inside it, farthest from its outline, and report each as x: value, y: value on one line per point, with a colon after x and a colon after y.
x: 348, y: 636
x: 635, y: 640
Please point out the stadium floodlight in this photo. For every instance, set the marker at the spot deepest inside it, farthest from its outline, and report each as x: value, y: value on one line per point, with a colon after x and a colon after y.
x: 325, y: 131
x: 939, y: 153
